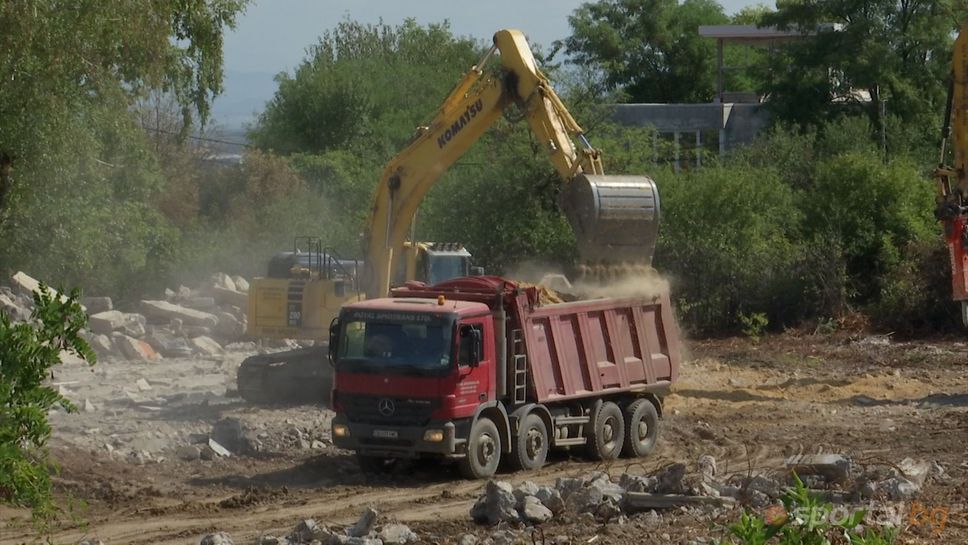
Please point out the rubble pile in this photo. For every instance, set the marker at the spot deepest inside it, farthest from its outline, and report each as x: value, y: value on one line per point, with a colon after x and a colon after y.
x: 365, y: 531
x: 187, y: 322
x: 834, y: 477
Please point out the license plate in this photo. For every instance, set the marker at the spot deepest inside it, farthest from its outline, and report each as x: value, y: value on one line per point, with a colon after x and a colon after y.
x: 386, y: 434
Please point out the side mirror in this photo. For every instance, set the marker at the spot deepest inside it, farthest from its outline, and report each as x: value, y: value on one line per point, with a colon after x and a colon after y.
x: 333, y: 340
x: 476, y: 347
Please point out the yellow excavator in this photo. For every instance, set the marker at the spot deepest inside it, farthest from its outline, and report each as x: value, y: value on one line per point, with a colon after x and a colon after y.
x: 615, y: 218
x: 299, y: 297
x: 952, y: 181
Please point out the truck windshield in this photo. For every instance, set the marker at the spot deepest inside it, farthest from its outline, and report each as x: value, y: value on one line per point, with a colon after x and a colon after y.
x: 446, y: 267
x: 396, y: 342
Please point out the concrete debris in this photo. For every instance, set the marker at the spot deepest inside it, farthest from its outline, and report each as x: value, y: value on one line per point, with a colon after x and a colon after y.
x: 496, y: 505
x: 96, y: 305
x: 467, y: 539
x: 218, y: 449
x: 105, y: 323
x: 396, y: 534
x: 236, y: 436
x: 90, y: 541
x: 533, y: 511
x: 13, y: 307
x: 224, y: 281
x: 241, y: 284
x: 220, y: 538
x: 225, y: 296
x: 89, y: 407
x: 188, y: 453
x: 364, y: 525
x: 200, y: 303
x: 835, y: 468
x: 165, y: 311
x: 597, y: 499
x: 142, y: 385
x: 308, y: 531
x: 229, y: 326
x: 168, y: 345
x: 134, y: 349
x: 206, y: 346
x: 27, y: 285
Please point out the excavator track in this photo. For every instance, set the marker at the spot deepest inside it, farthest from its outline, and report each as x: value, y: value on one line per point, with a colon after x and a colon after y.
x: 290, y: 377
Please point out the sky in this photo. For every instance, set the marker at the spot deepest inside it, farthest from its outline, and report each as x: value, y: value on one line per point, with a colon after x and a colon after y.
x: 272, y: 35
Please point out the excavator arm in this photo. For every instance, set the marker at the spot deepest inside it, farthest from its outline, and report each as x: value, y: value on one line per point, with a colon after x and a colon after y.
x: 952, y: 181
x: 615, y: 218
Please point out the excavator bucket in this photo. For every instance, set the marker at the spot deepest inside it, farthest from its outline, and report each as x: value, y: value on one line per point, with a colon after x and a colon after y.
x: 615, y: 218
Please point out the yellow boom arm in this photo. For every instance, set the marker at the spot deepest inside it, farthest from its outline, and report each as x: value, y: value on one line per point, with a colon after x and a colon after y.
x: 471, y: 108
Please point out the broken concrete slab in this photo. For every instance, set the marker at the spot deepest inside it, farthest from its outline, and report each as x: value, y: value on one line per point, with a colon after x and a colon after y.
x: 241, y: 284
x: 134, y: 349
x: 105, y: 323
x: 644, y: 501
x: 224, y: 281
x: 396, y: 534
x: 220, y: 538
x: 218, y: 449
x: 168, y: 345
x: 364, y: 525
x: 165, y: 312
x: 832, y: 467
x: 28, y: 285
x: 206, y: 346
x: 228, y: 325
x: 533, y: 511
x: 224, y: 296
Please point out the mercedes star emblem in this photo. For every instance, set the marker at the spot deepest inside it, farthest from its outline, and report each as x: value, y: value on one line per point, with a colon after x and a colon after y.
x: 386, y: 407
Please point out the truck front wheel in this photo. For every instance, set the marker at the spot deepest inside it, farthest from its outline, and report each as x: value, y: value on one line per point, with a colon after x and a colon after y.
x: 531, y: 444
x: 641, y: 428
x: 607, y: 433
x: 483, y: 451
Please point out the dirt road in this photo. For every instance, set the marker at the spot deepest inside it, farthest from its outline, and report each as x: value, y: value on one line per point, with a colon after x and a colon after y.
x: 747, y: 404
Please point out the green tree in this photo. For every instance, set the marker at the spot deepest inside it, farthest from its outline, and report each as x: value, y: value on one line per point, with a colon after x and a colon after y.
x: 364, y: 87
x: 895, y: 53
x: 28, y: 352
x: 651, y: 49
x: 59, y: 58
x: 78, y: 179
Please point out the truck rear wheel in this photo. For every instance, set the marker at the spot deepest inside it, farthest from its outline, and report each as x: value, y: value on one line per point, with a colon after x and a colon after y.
x: 483, y: 451
x: 641, y: 428
x: 606, y: 435
x: 531, y: 444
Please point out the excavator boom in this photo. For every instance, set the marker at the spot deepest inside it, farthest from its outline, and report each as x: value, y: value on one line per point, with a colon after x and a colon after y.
x: 614, y: 218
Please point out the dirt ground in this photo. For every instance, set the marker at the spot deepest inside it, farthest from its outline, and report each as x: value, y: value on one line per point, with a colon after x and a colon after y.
x: 747, y: 404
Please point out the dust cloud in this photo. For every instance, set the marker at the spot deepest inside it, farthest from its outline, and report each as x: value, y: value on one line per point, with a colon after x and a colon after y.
x: 591, y: 281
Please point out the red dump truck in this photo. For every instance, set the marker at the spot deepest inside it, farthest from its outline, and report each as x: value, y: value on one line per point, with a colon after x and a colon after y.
x: 475, y: 369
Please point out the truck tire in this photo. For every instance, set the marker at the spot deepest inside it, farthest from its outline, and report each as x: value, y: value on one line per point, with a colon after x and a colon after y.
x: 606, y: 433
x: 483, y: 451
x: 531, y: 444
x: 641, y: 428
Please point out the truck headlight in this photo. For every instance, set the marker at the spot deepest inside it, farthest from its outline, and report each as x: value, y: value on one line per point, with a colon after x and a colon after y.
x: 434, y: 436
x: 341, y: 430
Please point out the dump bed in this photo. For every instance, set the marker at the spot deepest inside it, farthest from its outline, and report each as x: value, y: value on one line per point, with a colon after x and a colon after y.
x: 587, y: 348
x: 578, y: 349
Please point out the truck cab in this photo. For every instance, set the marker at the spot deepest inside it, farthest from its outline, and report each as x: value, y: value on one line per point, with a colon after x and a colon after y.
x: 411, y: 374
